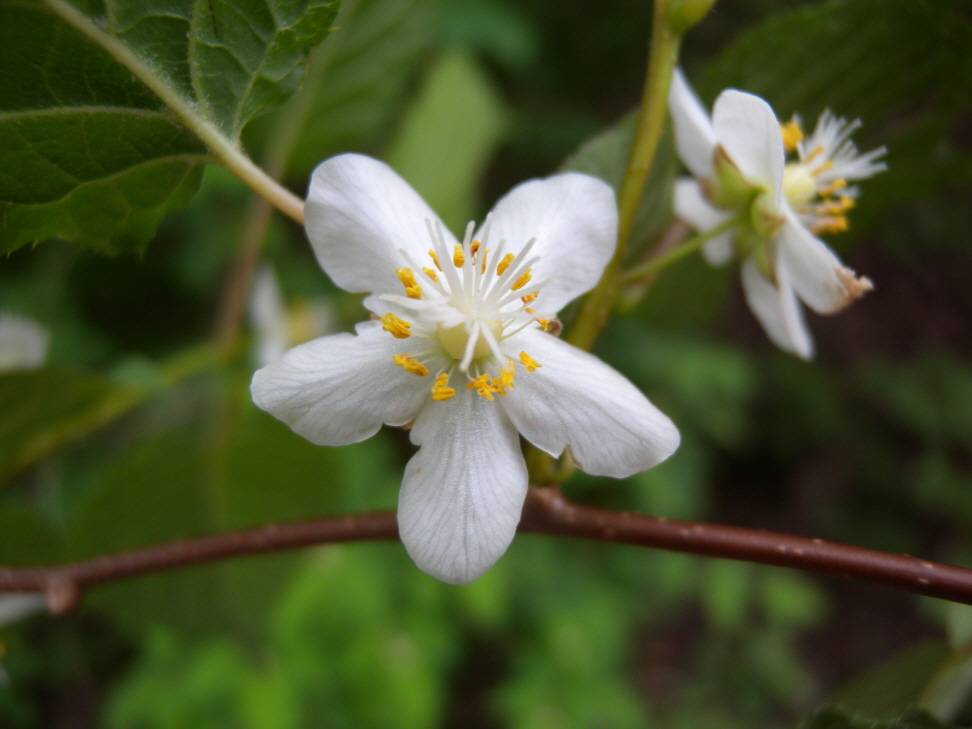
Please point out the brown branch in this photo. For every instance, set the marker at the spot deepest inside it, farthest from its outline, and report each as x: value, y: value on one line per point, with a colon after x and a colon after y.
x: 546, y: 512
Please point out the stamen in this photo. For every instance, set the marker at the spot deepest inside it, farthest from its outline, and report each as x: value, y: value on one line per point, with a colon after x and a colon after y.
x: 482, y: 267
x: 838, y: 224
x: 530, y: 298
x: 467, y: 356
x: 505, y: 381
x: 839, y: 184
x: 813, y: 154
x: 458, y: 258
x: 504, y: 263
x: 544, y: 324
x: 792, y: 135
x: 430, y: 272
x: 483, y: 386
x: 528, y: 362
x: 441, y: 390
x: 435, y: 258
x: 398, y: 328
x: 407, y: 277
x: 823, y: 167
x: 522, y: 281
x: 474, y: 247
x: 410, y: 364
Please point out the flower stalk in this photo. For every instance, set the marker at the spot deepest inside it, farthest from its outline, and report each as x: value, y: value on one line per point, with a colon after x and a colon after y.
x: 662, y: 59
x: 688, y: 247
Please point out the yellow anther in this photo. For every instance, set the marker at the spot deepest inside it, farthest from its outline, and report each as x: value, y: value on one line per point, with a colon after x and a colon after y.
x: 458, y: 258
x: 838, y: 224
x: 529, y: 310
x: 410, y: 364
x: 398, y: 328
x: 813, y: 154
x: 528, y: 362
x: 839, y: 184
x: 529, y: 298
x: 474, y: 247
x: 504, y: 263
x: 822, y: 167
x: 839, y: 206
x: 430, y: 272
x: 435, y: 258
x: 482, y: 258
x: 792, y: 135
x: 441, y: 390
x: 544, y: 324
x: 483, y: 386
x: 522, y: 281
x: 503, y: 383
x: 407, y: 277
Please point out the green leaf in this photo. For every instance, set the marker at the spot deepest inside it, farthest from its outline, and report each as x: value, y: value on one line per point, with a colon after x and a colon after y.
x: 42, y: 409
x: 88, y: 149
x: 448, y: 135
x: 606, y: 156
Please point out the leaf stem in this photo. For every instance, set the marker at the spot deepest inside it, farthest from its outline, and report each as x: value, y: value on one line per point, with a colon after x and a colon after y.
x: 225, y: 150
x: 689, y: 246
x: 662, y: 58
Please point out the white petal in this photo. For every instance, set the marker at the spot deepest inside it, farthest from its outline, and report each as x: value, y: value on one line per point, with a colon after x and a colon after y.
x: 692, y: 207
x: 574, y: 219
x: 694, y: 136
x: 340, y: 389
x: 23, y: 343
x: 820, y: 279
x: 576, y: 400
x: 359, y: 214
x: 777, y: 309
x: 748, y: 130
x: 463, y: 491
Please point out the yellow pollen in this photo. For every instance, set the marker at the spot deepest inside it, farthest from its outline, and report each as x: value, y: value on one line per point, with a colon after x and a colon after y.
x: 410, y: 364
x: 457, y: 256
x: 840, y: 206
x: 792, y: 135
x: 529, y: 298
x: 441, y: 390
x: 504, y: 263
x: 407, y: 277
x: 504, y: 382
x: 529, y: 310
x: 823, y: 167
x: 839, y: 184
x: 482, y: 268
x: 483, y: 386
x: 813, y: 154
x: 528, y: 362
x: 544, y: 324
x: 474, y: 247
x: 398, y: 328
x: 831, y: 225
x: 435, y: 258
x: 430, y: 272
x: 522, y: 281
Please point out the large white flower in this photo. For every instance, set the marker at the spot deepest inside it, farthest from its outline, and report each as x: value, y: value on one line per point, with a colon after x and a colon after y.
x: 458, y: 347
x: 740, y: 171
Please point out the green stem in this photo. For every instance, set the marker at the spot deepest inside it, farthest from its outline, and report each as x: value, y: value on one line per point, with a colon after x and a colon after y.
x: 222, y: 147
x: 687, y: 248
x: 662, y: 58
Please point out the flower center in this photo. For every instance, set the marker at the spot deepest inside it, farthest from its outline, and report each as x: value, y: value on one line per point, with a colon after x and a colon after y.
x: 454, y: 340
x: 799, y: 184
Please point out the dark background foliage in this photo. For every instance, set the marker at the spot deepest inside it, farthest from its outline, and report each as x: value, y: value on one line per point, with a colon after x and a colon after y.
x: 870, y: 444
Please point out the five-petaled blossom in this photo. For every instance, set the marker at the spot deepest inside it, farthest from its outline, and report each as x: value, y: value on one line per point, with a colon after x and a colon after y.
x: 738, y: 161
x: 458, y: 347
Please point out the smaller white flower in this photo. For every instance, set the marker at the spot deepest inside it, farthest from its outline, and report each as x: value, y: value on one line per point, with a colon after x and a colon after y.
x: 459, y: 347
x: 738, y: 162
x: 23, y: 343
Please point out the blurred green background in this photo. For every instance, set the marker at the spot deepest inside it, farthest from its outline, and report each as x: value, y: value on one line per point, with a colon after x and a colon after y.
x: 132, y: 435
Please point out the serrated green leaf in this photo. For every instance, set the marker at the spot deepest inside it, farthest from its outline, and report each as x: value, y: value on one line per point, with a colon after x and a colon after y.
x: 88, y: 153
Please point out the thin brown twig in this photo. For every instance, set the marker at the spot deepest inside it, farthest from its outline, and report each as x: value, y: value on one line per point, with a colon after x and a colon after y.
x: 546, y: 512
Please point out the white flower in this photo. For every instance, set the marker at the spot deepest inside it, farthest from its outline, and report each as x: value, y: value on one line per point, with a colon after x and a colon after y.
x: 458, y: 348
x: 275, y: 328
x: 23, y: 343
x: 738, y: 161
